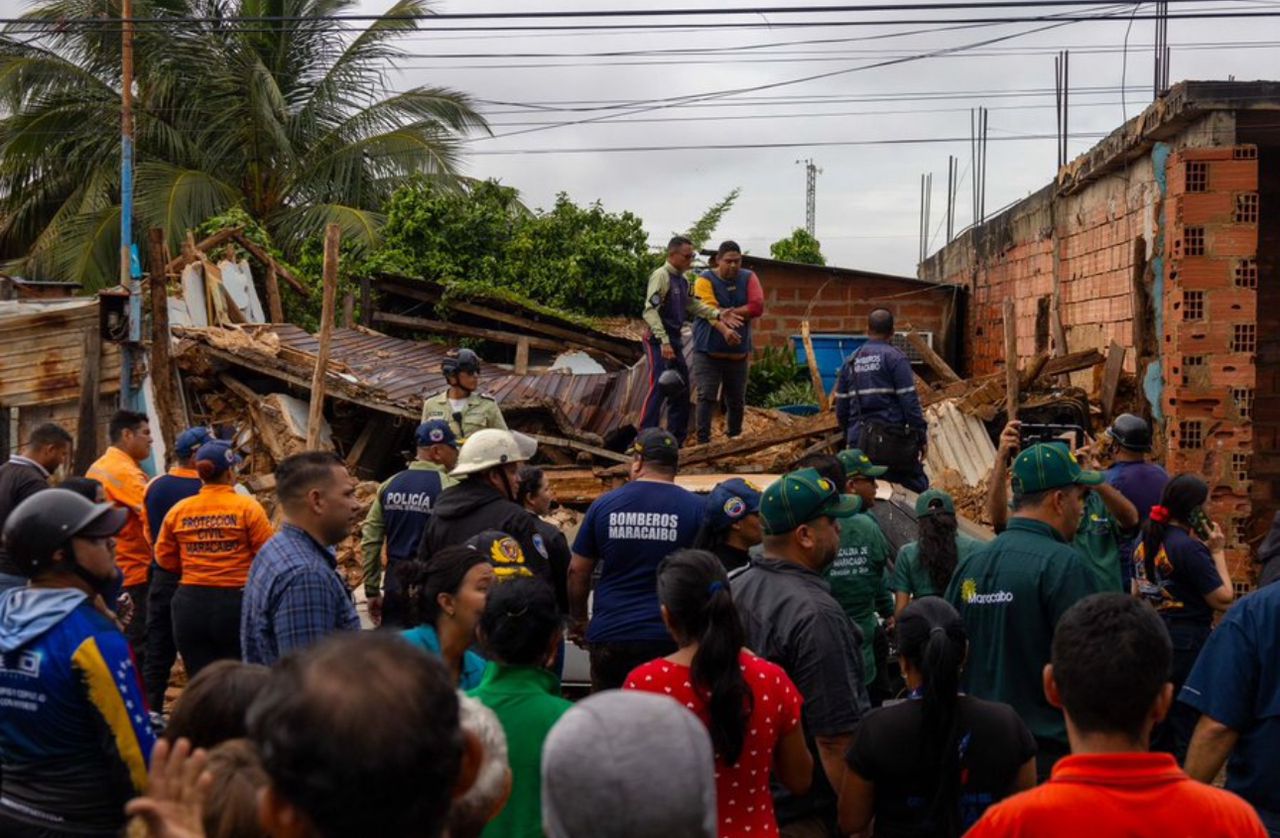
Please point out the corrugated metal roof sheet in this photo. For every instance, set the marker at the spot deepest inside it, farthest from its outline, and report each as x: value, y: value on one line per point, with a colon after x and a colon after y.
x: 396, y: 375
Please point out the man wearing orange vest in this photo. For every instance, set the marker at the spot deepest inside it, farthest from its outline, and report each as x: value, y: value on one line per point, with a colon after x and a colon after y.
x: 126, y: 485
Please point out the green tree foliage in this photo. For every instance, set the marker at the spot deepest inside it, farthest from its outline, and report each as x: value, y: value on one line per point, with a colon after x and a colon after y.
x: 700, y: 232
x: 798, y: 247
x: 575, y: 258
x: 773, y: 369
x: 291, y: 121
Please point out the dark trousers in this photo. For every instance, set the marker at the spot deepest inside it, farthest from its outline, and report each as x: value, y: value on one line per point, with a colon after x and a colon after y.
x: 678, y: 407
x: 136, y: 630
x: 395, y: 608
x: 712, y: 376
x: 161, y: 650
x: 611, y: 663
x: 206, y: 625
x: 1173, y: 735
x: 914, y: 480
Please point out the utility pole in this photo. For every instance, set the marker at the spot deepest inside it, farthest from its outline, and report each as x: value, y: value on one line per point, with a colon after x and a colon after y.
x: 128, y: 279
x: 810, y: 195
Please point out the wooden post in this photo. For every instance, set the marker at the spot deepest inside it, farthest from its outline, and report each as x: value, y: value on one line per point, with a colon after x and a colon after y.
x: 275, y: 310
x: 161, y: 366
x: 87, y: 415
x: 1011, y: 359
x: 932, y: 359
x: 366, y: 301
x: 819, y: 391
x: 315, y: 416
x: 348, y: 310
x: 1111, y: 380
x: 522, y: 355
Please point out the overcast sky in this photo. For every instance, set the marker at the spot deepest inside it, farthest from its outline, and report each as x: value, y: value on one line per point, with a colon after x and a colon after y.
x: 868, y: 196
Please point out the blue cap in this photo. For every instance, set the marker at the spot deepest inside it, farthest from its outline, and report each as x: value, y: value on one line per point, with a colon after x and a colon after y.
x: 190, y: 440
x: 220, y: 453
x: 435, y: 432
x: 731, y: 501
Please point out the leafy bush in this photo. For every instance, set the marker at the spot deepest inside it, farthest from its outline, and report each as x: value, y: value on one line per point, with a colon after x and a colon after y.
x: 773, y: 368
x: 798, y: 247
x: 796, y: 392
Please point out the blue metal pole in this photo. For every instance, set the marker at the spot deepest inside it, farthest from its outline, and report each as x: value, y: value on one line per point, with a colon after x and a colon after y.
x: 129, y: 276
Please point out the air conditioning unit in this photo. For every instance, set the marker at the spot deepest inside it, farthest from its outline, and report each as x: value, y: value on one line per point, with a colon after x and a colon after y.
x: 900, y: 341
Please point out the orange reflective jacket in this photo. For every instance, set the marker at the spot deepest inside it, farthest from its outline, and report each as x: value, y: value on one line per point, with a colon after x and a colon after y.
x: 211, y: 539
x: 125, y: 484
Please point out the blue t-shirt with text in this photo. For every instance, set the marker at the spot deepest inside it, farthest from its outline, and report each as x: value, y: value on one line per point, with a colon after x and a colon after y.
x: 628, y: 532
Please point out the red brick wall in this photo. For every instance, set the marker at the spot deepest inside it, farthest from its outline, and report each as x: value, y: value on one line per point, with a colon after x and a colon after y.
x: 1205, y: 430
x: 841, y: 304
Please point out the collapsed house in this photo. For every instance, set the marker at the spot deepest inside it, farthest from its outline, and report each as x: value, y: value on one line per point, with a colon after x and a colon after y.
x: 1161, y: 242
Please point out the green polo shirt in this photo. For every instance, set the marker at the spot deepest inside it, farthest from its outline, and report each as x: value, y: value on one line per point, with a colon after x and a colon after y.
x: 911, y: 577
x: 857, y: 580
x: 1098, y: 540
x: 527, y: 701
x: 1011, y: 596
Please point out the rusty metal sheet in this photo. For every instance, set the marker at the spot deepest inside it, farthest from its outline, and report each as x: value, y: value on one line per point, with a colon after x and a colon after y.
x: 399, y: 374
x: 42, y: 351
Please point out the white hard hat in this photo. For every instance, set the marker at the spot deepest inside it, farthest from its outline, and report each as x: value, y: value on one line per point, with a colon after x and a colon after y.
x: 492, y: 447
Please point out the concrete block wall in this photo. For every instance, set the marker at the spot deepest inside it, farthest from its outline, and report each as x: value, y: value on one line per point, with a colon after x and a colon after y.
x: 1211, y: 329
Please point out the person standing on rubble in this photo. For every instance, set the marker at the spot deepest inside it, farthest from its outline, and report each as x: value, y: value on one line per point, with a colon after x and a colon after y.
x: 668, y: 303
x: 878, y: 408
x: 400, y: 513
x: 125, y: 483
x: 720, y: 364
x: 466, y: 410
x: 163, y: 493
x: 488, y: 468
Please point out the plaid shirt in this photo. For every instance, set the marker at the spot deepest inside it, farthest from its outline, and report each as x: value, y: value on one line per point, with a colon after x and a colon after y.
x: 294, y: 597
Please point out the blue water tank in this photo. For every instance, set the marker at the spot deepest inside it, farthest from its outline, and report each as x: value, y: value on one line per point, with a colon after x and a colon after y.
x: 830, y: 351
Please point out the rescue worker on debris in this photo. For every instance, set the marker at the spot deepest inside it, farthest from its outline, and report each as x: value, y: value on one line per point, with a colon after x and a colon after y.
x: 399, y: 516
x: 720, y: 364
x: 75, y: 736
x: 668, y: 303
x: 466, y: 410
x: 488, y: 467
x: 878, y: 409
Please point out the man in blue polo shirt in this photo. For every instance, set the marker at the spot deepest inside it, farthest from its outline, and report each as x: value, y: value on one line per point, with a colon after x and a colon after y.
x: 400, y: 513
x: 629, y: 531
x: 1236, y: 686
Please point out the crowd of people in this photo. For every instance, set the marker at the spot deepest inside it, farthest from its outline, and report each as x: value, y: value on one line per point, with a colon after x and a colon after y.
x: 763, y: 661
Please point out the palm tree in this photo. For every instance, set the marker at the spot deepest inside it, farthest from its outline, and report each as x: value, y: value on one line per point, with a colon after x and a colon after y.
x: 268, y: 105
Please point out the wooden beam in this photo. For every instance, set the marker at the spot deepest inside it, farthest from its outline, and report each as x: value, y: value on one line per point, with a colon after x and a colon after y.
x: 561, y: 442
x: 815, y: 377
x: 522, y: 355
x: 348, y: 310
x: 1111, y: 379
x: 371, y: 429
x: 161, y: 365
x: 447, y: 328
x: 267, y: 259
x: 366, y: 301
x: 204, y: 245
x: 1031, y: 370
x: 275, y: 309
x: 1010, y: 360
x: 87, y: 413
x: 835, y: 441
x: 427, y: 295
x: 315, y: 416
x: 1074, y: 362
x: 932, y: 359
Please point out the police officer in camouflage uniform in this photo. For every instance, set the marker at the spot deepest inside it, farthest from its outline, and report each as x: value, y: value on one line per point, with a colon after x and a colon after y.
x: 460, y: 405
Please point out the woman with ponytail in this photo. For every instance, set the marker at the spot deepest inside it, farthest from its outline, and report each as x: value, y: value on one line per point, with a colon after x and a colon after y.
x: 924, y: 567
x: 931, y: 765
x: 749, y: 705
x: 1185, y: 576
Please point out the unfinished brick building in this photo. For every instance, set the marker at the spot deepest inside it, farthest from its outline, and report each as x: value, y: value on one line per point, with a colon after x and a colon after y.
x: 1164, y: 238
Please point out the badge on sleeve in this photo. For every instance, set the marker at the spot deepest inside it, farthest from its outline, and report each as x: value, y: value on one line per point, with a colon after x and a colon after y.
x: 540, y: 545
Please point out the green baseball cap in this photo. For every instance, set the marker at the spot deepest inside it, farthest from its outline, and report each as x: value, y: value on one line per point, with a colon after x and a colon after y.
x: 932, y: 502
x: 857, y: 464
x: 801, y: 496
x: 1049, y: 465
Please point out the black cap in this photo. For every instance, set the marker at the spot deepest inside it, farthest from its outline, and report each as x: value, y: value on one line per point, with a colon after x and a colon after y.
x: 657, y: 445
